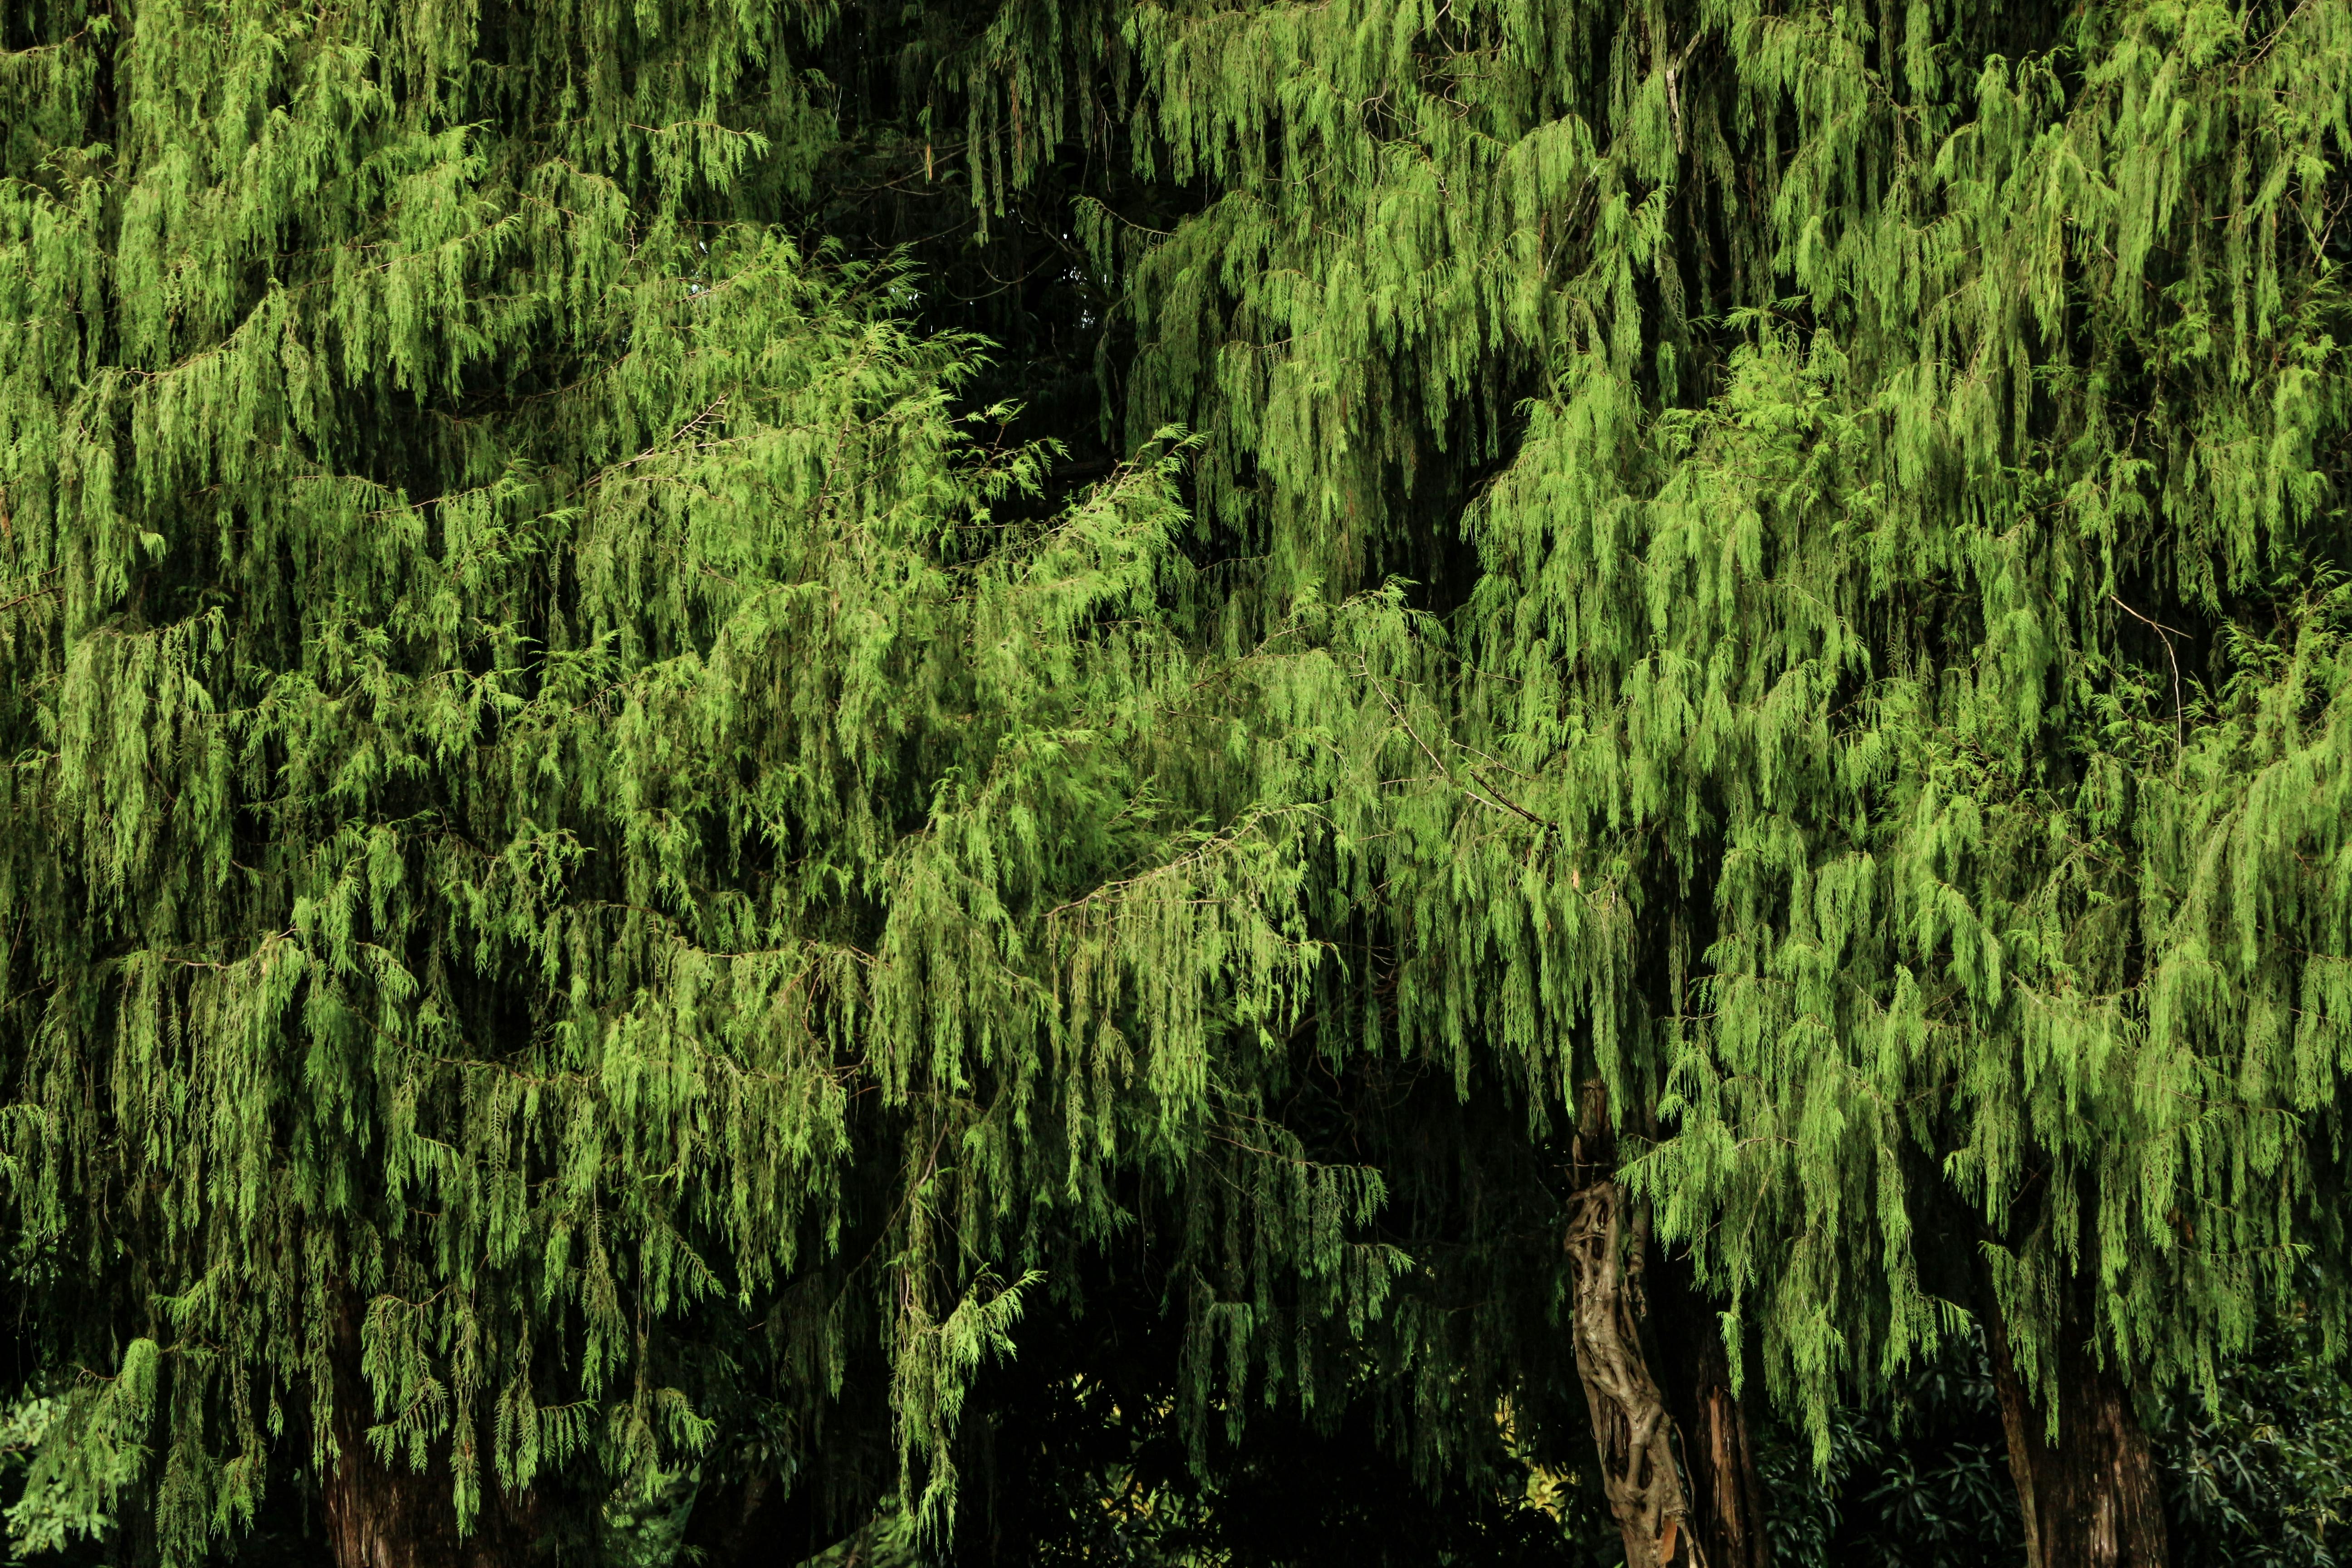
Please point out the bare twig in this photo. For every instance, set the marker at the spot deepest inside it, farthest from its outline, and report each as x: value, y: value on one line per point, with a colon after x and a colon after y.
x: 2179, y: 724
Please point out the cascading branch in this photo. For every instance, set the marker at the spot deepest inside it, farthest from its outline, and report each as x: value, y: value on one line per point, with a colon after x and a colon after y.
x: 1898, y: 745
x: 556, y: 782
x: 559, y: 790
x: 1986, y: 626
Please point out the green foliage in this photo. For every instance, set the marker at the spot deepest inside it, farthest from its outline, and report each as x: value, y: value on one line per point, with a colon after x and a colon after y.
x: 1898, y: 736
x: 540, y: 739
x: 608, y: 857
x: 97, y: 1457
x: 1922, y: 1480
x: 2261, y: 1476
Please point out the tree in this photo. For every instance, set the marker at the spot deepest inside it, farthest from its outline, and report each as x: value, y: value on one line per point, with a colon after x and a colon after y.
x: 1727, y: 647
x: 1896, y: 746
x: 557, y: 780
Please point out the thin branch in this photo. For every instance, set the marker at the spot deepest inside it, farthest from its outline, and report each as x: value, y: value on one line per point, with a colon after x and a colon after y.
x: 2180, y: 725
x: 1502, y: 801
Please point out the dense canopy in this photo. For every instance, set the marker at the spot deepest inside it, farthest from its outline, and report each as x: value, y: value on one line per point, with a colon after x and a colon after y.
x: 1241, y: 782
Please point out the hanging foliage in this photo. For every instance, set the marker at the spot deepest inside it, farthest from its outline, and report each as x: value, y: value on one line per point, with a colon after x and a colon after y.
x: 1728, y: 616
x: 546, y: 750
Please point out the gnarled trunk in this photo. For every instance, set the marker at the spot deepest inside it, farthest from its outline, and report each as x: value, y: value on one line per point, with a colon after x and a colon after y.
x: 1608, y: 1248
x: 2089, y: 1500
x: 389, y: 1516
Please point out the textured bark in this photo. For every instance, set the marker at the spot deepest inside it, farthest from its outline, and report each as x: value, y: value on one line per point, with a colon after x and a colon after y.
x: 381, y: 1516
x: 2090, y: 1500
x: 1727, y: 1495
x: 1608, y: 1248
x: 1725, y: 1492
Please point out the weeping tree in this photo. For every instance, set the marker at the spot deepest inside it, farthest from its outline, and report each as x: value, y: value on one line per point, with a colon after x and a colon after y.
x: 1719, y: 750
x: 1866, y: 747
x: 1986, y: 623
x: 576, y: 822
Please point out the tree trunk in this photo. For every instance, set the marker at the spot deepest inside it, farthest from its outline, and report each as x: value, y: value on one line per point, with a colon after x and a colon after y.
x: 381, y: 1516
x: 1726, y: 1494
x: 2089, y: 1501
x: 1608, y: 1245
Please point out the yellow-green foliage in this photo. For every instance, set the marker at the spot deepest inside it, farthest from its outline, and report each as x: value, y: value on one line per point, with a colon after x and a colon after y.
x: 526, y: 703
x: 551, y: 756
x: 1897, y: 731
